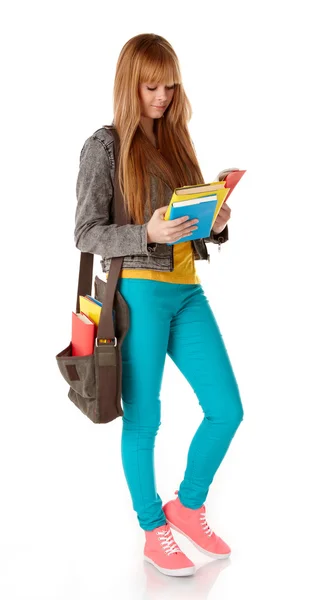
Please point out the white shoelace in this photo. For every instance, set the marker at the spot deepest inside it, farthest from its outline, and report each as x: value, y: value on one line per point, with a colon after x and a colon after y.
x: 205, y: 525
x: 166, y: 539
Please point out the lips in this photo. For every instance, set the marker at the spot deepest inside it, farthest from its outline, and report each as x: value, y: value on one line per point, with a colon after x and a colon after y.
x: 158, y: 106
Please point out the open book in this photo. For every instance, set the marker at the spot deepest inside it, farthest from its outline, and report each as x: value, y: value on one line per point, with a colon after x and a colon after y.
x: 203, y: 202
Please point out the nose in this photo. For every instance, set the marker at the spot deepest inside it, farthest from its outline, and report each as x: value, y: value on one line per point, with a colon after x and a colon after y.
x: 161, y: 99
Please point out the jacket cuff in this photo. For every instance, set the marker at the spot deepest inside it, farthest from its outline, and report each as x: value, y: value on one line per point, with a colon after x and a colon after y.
x: 219, y: 238
x: 147, y: 247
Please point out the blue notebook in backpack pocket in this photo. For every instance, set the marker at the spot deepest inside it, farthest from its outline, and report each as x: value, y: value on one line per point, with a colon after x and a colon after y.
x: 199, y: 208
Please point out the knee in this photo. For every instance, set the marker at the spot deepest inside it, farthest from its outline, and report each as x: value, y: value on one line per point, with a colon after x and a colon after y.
x: 235, y: 412
x: 146, y: 425
x: 230, y: 414
x: 141, y: 413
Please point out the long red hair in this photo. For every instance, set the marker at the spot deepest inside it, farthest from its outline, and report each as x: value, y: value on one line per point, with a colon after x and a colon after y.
x: 150, y: 57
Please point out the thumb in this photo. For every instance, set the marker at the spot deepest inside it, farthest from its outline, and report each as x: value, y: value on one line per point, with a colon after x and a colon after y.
x: 162, y: 209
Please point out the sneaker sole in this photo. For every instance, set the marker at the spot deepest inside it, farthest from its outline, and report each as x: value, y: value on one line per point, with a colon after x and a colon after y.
x: 211, y: 554
x: 173, y: 572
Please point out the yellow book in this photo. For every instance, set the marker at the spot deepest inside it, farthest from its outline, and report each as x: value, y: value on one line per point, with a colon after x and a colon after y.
x: 200, y: 187
x: 91, y: 309
x: 216, y: 187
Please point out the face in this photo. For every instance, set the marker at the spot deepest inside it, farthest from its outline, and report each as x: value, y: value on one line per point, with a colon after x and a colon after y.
x: 153, y: 96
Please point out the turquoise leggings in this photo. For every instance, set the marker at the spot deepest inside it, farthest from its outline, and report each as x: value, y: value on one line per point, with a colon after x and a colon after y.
x: 173, y: 319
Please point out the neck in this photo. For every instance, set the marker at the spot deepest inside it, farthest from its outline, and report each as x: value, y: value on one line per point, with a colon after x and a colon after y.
x: 147, y: 125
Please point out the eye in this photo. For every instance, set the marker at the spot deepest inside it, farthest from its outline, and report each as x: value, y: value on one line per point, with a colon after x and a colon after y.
x: 168, y: 87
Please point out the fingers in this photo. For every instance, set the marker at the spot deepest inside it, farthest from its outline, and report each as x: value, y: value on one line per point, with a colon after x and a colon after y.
x: 223, y: 215
x: 225, y: 211
x: 225, y: 208
x: 177, y: 222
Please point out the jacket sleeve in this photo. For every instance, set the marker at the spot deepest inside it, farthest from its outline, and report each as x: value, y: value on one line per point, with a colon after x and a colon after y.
x: 94, y: 190
x: 218, y: 238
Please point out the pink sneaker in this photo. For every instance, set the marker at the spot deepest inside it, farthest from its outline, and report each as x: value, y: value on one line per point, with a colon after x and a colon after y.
x: 193, y: 525
x: 162, y: 551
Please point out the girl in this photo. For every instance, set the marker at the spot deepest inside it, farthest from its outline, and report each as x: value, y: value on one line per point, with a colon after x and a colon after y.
x: 169, y: 312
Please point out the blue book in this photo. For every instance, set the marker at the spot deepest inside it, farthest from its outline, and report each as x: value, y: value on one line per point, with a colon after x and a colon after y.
x: 199, y: 208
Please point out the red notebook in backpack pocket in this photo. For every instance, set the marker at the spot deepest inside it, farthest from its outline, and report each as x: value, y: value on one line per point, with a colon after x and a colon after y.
x: 83, y: 335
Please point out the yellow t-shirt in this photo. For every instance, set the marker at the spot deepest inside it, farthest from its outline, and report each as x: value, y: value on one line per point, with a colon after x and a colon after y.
x: 184, y: 268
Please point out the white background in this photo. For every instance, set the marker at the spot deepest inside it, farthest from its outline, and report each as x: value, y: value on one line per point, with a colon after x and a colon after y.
x: 68, y: 529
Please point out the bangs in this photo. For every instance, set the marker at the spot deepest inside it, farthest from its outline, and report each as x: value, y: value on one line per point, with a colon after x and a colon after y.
x: 159, y: 67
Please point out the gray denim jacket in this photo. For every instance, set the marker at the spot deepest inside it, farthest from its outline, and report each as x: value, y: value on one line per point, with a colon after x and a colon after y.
x: 95, y: 231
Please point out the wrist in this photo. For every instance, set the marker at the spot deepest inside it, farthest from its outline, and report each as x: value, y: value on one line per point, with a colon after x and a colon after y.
x: 221, y: 237
x: 218, y: 232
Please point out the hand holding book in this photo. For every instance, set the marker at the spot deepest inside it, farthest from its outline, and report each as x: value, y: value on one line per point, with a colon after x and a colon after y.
x: 222, y: 218
x: 161, y: 231
x: 205, y: 202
